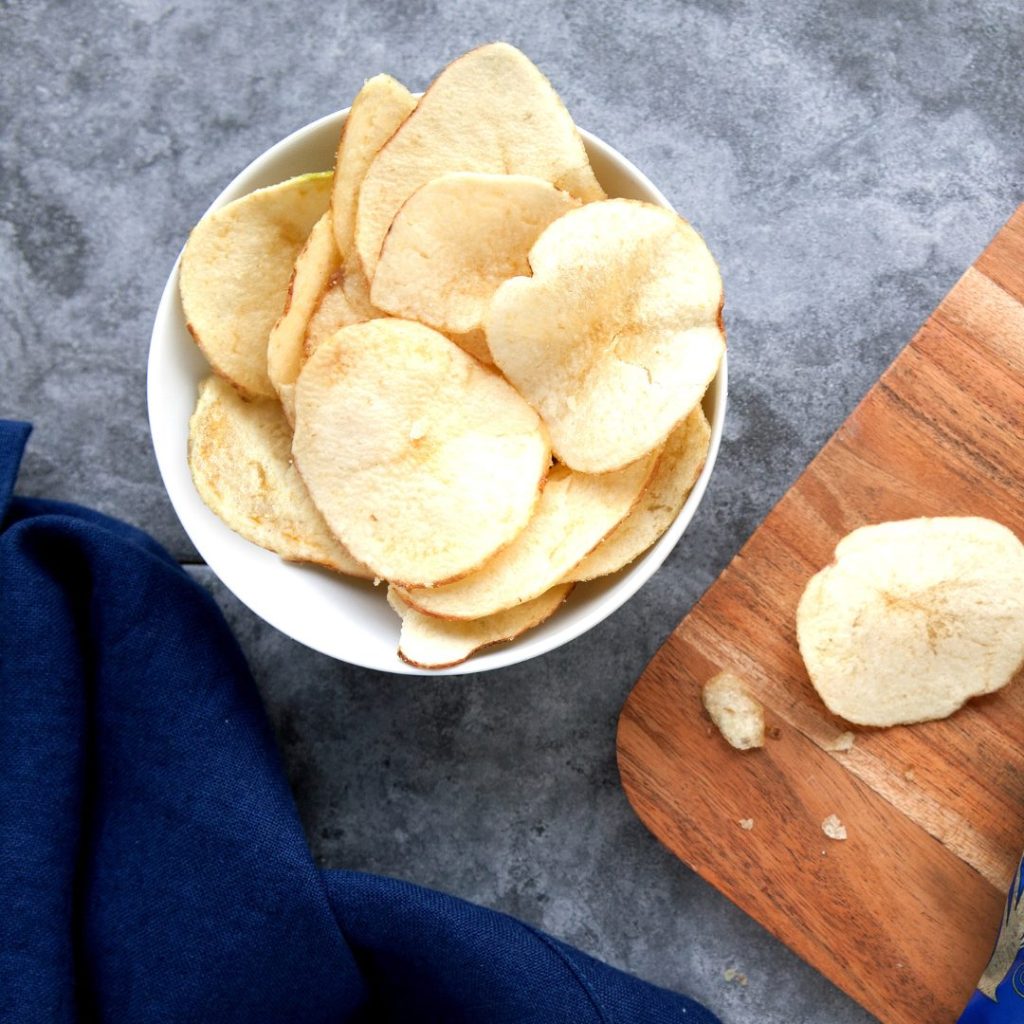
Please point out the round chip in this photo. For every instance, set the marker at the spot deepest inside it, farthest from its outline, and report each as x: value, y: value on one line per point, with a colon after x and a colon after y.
x: 235, y: 272
x: 576, y: 511
x: 913, y: 618
x: 239, y: 453
x: 422, y: 461
x: 456, y: 240
x: 491, y: 110
x: 314, y: 265
x: 427, y: 642
x: 378, y: 110
x: 617, y: 335
x: 677, y: 469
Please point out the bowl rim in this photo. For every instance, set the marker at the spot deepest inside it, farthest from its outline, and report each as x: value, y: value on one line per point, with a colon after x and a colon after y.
x: 627, y: 581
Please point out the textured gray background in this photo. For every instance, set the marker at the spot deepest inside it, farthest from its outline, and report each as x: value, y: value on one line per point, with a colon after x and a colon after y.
x: 845, y: 162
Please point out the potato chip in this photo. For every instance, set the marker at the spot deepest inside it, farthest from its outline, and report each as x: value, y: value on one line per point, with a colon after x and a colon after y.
x: 378, y: 110
x: 331, y: 314
x: 737, y: 715
x: 235, y: 272
x: 239, y: 453
x: 913, y: 618
x: 314, y: 266
x: 617, y: 335
x: 677, y: 469
x: 357, y: 290
x: 422, y: 461
x: 455, y: 240
x: 427, y: 642
x: 576, y: 511
x: 490, y: 111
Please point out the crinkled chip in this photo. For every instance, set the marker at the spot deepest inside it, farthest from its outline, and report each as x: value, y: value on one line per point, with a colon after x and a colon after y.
x: 314, y: 265
x: 456, y: 239
x: 422, y: 461
x: 240, y: 455
x: 427, y: 642
x: 617, y: 335
x: 913, y: 618
x: 576, y: 511
x: 235, y: 272
x: 332, y: 312
x: 677, y: 469
x: 491, y: 111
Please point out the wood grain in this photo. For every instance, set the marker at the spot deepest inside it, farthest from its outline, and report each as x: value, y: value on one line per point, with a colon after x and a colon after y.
x: 903, y: 914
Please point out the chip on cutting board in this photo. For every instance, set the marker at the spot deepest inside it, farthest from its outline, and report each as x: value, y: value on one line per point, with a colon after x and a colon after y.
x: 422, y: 461
x: 239, y: 453
x: 491, y: 111
x: 617, y: 335
x: 427, y: 642
x: 736, y: 714
x: 913, y: 618
x: 677, y: 469
x: 576, y: 511
x: 235, y: 272
x: 456, y: 239
x: 314, y: 265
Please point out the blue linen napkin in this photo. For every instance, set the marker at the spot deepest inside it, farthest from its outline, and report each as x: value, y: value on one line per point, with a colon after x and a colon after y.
x: 152, y: 864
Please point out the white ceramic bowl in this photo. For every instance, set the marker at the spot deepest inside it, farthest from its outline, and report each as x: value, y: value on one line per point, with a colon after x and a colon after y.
x: 349, y: 619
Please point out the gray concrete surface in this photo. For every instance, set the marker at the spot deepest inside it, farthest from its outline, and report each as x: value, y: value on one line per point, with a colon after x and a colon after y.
x: 845, y: 161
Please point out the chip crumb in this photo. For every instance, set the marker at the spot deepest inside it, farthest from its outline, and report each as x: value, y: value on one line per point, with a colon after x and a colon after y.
x: 739, y: 718
x: 833, y: 828
x: 909, y: 775
x: 418, y: 429
x: 377, y: 581
x: 731, y: 974
x: 841, y: 743
x: 746, y: 824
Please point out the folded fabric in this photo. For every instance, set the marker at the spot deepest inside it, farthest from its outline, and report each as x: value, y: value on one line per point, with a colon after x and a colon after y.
x: 152, y: 864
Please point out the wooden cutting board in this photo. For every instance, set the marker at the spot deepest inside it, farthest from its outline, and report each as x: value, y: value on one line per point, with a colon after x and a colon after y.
x: 903, y: 914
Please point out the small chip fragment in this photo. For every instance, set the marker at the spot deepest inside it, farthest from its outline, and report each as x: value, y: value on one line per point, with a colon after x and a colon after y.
x: 746, y: 824
x: 739, y: 718
x: 732, y: 975
x: 840, y: 744
x: 833, y: 828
